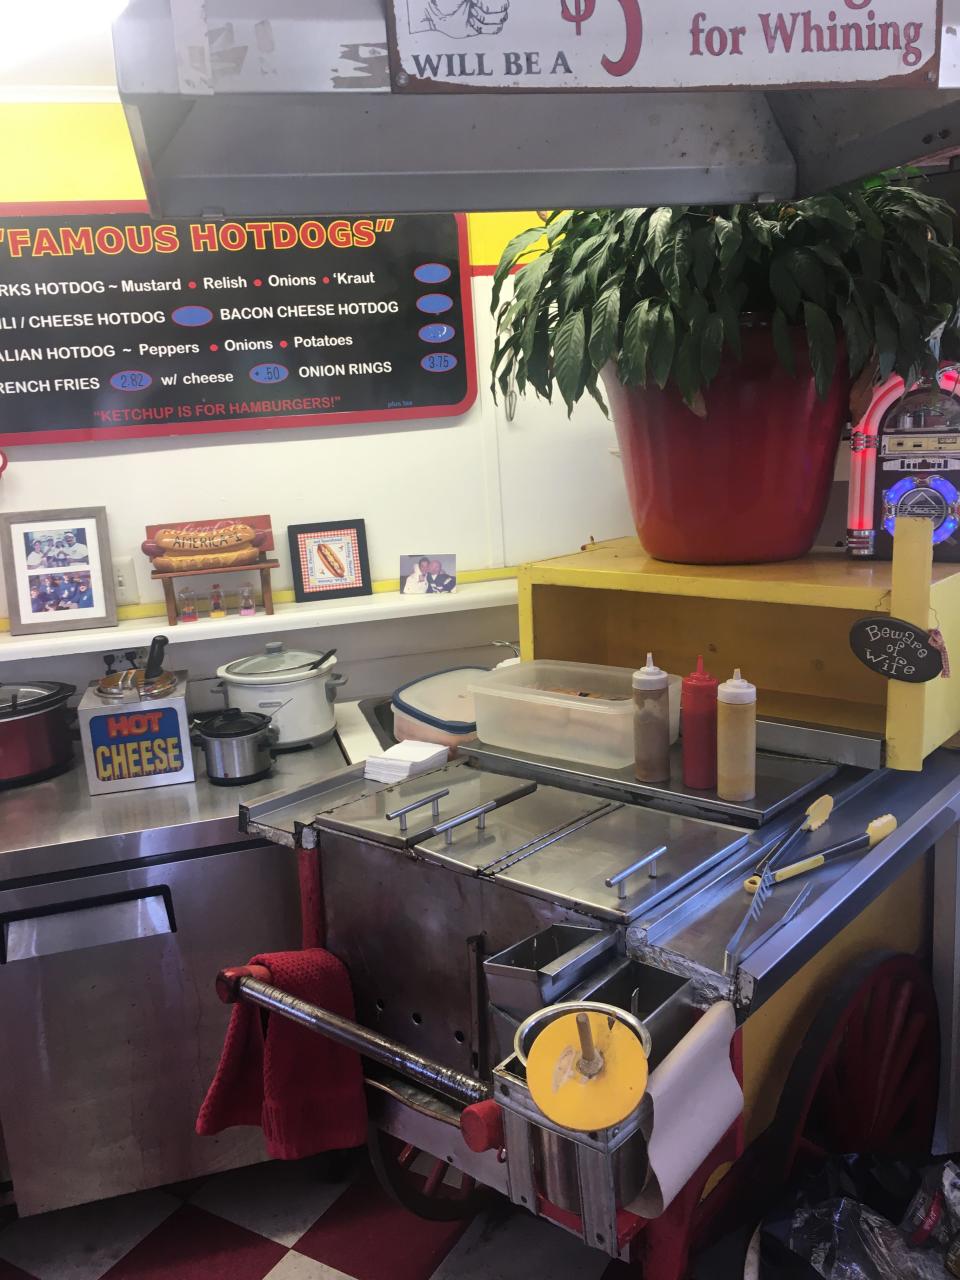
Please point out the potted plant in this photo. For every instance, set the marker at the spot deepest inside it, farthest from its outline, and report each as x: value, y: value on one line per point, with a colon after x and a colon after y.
x: 727, y: 340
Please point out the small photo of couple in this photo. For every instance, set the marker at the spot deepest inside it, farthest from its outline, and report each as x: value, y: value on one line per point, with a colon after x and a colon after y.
x: 53, y: 592
x: 428, y: 575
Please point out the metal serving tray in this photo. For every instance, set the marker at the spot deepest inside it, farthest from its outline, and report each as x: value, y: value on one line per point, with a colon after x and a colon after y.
x: 781, y: 780
x: 574, y: 868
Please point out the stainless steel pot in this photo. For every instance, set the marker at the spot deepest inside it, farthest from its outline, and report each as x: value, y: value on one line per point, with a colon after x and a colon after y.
x: 237, y: 746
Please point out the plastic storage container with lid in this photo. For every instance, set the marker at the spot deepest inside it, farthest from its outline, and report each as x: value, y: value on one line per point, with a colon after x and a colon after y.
x: 437, y: 708
x: 564, y: 710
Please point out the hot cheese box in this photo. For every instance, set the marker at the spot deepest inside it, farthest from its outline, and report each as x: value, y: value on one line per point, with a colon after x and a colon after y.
x: 132, y: 743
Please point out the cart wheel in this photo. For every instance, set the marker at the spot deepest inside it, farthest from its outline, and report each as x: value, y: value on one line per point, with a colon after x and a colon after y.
x: 866, y: 1078
x: 423, y: 1183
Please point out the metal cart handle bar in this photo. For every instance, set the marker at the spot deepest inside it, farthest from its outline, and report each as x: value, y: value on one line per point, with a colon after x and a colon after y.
x: 246, y: 983
x: 619, y: 881
x: 433, y: 800
x: 446, y: 829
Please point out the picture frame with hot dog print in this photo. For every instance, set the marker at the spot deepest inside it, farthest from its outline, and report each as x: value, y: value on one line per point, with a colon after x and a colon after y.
x: 57, y: 570
x: 329, y: 560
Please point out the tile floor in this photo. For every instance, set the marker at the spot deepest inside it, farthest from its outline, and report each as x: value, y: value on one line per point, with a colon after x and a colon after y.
x: 286, y: 1222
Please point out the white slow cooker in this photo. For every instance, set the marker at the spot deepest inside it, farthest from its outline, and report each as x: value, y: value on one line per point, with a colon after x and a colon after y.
x: 295, y: 688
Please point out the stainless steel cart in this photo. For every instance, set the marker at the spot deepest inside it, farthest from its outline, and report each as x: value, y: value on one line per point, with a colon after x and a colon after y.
x: 468, y: 904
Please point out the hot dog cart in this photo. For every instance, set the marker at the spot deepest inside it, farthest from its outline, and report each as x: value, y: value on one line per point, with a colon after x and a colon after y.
x: 551, y: 998
x: 465, y: 901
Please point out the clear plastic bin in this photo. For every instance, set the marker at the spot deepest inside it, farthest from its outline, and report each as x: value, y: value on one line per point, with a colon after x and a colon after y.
x: 563, y: 710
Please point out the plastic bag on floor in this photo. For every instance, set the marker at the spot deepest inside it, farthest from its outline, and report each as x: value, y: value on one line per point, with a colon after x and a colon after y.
x: 839, y: 1224
x: 843, y: 1240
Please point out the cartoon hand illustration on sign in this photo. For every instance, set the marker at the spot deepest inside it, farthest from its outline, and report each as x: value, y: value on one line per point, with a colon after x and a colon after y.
x: 460, y: 18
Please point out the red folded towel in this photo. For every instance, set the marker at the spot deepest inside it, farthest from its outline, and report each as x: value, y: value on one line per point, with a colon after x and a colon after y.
x: 304, y: 1091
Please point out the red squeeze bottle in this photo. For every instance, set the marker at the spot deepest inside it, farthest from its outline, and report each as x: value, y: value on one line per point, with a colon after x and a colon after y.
x: 699, y: 705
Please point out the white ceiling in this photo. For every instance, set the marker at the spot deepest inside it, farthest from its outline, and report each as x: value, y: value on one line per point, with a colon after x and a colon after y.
x: 57, y: 50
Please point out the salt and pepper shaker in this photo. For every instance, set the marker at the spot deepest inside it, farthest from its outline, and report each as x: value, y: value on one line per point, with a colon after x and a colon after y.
x: 651, y: 722
x: 699, y: 705
x: 736, y: 739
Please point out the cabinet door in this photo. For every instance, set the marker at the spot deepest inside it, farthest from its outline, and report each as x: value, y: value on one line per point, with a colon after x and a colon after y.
x: 112, y: 1027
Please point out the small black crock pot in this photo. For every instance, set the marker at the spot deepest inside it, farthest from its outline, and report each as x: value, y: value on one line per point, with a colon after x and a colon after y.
x: 237, y: 747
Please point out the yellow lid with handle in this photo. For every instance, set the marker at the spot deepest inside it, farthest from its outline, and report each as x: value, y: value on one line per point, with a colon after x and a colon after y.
x: 587, y: 1070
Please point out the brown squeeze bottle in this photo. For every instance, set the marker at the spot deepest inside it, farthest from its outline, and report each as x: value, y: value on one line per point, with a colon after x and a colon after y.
x: 651, y: 723
x: 698, y: 706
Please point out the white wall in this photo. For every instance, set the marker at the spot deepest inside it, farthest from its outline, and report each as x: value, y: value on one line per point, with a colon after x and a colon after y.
x: 494, y: 492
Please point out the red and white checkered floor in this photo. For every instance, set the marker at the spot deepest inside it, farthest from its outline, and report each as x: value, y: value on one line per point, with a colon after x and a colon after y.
x: 283, y: 1222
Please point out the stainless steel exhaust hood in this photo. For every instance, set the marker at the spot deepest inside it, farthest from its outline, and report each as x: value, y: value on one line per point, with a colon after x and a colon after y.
x: 285, y: 107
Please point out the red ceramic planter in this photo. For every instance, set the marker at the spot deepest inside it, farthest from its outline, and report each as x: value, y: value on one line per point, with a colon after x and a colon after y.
x: 747, y: 484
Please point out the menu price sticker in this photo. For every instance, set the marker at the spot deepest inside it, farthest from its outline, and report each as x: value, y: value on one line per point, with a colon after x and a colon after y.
x: 116, y: 326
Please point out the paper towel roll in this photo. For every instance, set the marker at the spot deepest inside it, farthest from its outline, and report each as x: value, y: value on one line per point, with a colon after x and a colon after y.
x: 695, y: 1098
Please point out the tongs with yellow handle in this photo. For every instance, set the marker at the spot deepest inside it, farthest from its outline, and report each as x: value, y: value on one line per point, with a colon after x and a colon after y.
x: 878, y: 829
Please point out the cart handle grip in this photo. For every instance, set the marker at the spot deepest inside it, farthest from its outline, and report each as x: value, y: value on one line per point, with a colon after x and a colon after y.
x: 481, y: 1126
x: 433, y: 800
x: 228, y: 980
x: 619, y: 881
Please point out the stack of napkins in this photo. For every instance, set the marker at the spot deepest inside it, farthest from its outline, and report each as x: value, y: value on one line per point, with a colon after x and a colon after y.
x: 405, y: 760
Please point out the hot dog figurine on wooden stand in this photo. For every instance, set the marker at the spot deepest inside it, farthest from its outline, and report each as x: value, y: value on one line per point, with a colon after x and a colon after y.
x: 179, y: 550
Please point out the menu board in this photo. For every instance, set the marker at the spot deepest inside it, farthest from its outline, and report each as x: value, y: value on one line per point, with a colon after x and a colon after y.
x: 116, y: 326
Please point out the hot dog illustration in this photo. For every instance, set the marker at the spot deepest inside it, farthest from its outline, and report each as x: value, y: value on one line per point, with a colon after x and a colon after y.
x: 330, y: 561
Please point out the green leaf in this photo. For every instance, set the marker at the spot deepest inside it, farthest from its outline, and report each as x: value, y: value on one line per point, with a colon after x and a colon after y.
x: 871, y: 223
x: 870, y: 253
x: 859, y: 342
x: 538, y: 365
x: 711, y: 348
x: 638, y: 334
x: 530, y: 278
x: 570, y: 357
x: 783, y: 342
x: 570, y: 292
x: 702, y: 245
x: 517, y: 246
x: 729, y: 314
x: 663, y: 346
x: 783, y: 286
x: 729, y: 238
x: 632, y: 220
x: 828, y: 209
x: 583, y: 251
x: 687, y: 374
x: 595, y: 392
x: 673, y: 264
x: 822, y: 342
x: 887, y: 335
x: 604, y: 325
x: 809, y: 275
x: 556, y: 226
x: 658, y: 228
x: 762, y: 228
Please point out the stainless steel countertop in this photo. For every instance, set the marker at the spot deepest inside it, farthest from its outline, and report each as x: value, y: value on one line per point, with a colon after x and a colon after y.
x: 57, y: 826
x: 692, y: 929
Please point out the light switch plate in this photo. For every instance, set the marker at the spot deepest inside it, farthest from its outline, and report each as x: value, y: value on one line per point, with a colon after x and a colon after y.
x: 125, y: 581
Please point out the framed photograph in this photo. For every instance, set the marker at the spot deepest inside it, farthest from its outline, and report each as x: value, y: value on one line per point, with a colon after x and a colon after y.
x: 329, y: 560
x: 57, y: 570
x: 428, y: 575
